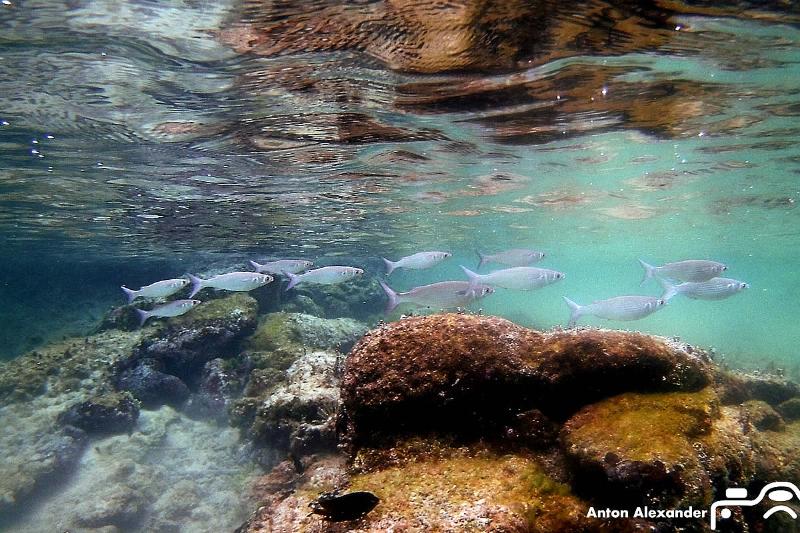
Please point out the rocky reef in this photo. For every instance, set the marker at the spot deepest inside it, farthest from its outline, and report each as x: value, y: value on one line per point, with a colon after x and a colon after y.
x: 455, y: 422
x: 469, y: 423
x: 140, y: 418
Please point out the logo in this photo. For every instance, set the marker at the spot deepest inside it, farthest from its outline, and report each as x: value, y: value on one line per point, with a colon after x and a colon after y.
x: 778, y: 492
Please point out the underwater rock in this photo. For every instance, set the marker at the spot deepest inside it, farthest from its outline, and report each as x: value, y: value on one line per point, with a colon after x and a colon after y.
x: 220, y: 383
x: 62, y: 367
x: 148, y: 384
x: 106, y: 414
x: 639, y: 448
x: 458, y: 489
x: 776, y: 454
x: 771, y: 389
x: 281, y: 338
x: 474, y: 375
x: 172, y: 471
x: 790, y: 409
x: 120, y: 507
x: 298, y: 416
x: 761, y: 415
x: 35, y: 461
x: 213, y: 329
x: 304, y: 304
x: 123, y: 318
x: 360, y: 298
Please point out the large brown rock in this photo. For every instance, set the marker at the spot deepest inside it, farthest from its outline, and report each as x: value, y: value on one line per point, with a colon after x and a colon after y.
x: 474, y: 375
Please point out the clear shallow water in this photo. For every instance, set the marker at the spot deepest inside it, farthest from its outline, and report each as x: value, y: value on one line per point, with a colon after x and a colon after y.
x: 131, y: 136
x: 143, y: 140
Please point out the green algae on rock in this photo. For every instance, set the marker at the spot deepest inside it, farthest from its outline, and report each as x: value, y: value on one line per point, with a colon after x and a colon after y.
x: 297, y: 415
x: 115, y: 412
x: 790, y: 409
x: 280, y: 338
x: 213, y: 329
x: 632, y: 447
x: 455, y: 489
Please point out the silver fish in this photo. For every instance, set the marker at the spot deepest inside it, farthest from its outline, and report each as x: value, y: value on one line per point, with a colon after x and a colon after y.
x: 328, y: 275
x: 518, y: 278
x: 513, y: 258
x: 232, y: 281
x: 159, y: 289
x: 713, y: 289
x: 690, y: 270
x: 282, y: 265
x: 176, y: 308
x: 619, y: 308
x: 442, y: 295
x: 418, y: 261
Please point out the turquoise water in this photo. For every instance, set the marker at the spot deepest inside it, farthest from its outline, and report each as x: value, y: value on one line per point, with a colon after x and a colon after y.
x: 132, y: 146
x: 145, y: 140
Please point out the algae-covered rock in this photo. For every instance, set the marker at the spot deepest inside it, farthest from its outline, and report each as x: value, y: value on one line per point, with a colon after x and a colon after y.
x: 640, y: 448
x: 120, y: 507
x: 790, y: 409
x: 299, y: 415
x: 33, y: 459
x: 762, y: 416
x: 280, y: 338
x: 456, y: 489
x: 148, y: 384
x: 213, y: 329
x: 107, y: 414
x: 361, y: 298
x: 221, y: 381
x: 771, y: 389
x: 776, y: 454
x: 475, y: 375
x: 62, y: 367
x: 302, y: 303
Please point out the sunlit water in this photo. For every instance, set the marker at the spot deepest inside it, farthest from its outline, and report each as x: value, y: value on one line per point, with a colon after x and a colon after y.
x: 136, y: 146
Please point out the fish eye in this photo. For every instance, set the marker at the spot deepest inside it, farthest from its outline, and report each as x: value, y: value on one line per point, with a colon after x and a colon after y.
x: 724, y: 268
x: 661, y: 302
x: 745, y: 286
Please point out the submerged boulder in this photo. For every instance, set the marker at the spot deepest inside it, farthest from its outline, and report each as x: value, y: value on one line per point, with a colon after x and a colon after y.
x: 213, y: 329
x: 430, y: 486
x: 467, y: 423
x: 790, y: 409
x: 103, y: 415
x: 35, y: 460
x: 640, y: 448
x: 148, y: 384
x: 476, y: 375
x: 298, y: 416
x: 281, y: 338
x: 220, y: 383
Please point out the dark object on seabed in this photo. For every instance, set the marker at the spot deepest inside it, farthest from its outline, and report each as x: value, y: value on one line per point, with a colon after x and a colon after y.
x: 335, y: 507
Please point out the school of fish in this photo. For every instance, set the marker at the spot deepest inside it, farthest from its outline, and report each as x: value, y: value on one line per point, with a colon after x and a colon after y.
x: 693, y: 278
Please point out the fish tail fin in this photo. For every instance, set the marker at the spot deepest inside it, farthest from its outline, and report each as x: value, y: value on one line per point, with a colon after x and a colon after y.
x: 256, y: 266
x: 197, y: 285
x: 390, y: 266
x: 575, y: 312
x: 143, y: 316
x: 649, y: 270
x: 670, y: 289
x: 481, y: 259
x: 394, y: 301
x: 473, y: 278
x: 131, y: 294
x: 294, y: 279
